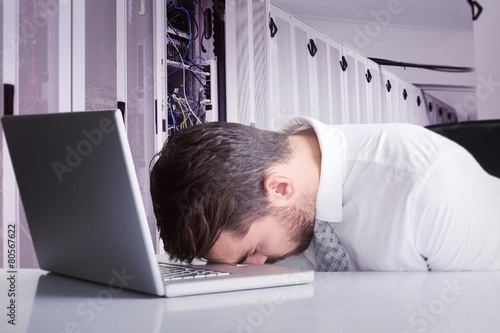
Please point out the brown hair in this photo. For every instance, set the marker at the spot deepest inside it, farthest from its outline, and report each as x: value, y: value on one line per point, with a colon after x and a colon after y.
x: 208, y: 179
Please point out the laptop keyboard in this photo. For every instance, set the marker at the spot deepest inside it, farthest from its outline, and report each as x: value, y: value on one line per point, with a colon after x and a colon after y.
x: 172, y: 272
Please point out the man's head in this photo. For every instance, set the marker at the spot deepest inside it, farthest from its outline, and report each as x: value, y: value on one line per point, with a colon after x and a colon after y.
x: 216, y: 182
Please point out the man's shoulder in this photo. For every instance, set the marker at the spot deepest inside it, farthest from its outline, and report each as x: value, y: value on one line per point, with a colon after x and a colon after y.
x: 392, y: 130
x: 400, y: 145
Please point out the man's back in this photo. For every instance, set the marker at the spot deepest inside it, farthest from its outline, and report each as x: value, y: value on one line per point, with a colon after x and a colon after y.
x: 413, y: 200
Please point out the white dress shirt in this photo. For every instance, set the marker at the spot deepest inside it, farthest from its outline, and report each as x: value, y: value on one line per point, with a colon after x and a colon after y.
x: 401, y: 197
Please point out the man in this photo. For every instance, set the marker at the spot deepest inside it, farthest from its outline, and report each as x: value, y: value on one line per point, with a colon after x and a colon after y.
x: 332, y: 198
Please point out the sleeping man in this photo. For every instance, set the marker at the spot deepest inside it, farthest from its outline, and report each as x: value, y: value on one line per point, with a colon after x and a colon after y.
x: 379, y: 197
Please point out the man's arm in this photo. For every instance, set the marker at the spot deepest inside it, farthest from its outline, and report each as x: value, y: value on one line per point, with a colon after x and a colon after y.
x: 457, y: 224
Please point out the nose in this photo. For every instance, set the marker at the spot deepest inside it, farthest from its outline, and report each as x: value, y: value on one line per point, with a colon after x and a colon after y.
x: 257, y: 258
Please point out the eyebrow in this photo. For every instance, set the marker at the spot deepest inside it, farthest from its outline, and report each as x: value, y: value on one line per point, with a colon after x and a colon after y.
x: 270, y: 260
x: 273, y: 260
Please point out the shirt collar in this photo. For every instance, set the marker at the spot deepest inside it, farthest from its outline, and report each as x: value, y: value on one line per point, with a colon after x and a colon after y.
x: 333, y: 166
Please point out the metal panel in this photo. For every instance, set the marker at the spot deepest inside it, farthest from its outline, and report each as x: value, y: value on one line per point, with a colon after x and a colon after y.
x: 159, y: 69
x: 9, y: 204
x: 135, y: 84
x: 247, y: 60
x: 100, y: 55
x: 78, y: 55
x: 350, y: 105
x: 321, y: 103
x: 373, y: 91
x: 337, y: 87
x: 302, y: 67
x: 65, y: 58
x: 363, y: 99
x: 261, y: 76
x: 284, y: 76
x: 388, y: 96
x: 121, y: 52
x: 31, y: 65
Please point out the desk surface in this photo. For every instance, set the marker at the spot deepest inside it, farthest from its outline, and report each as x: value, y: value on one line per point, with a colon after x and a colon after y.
x: 335, y: 302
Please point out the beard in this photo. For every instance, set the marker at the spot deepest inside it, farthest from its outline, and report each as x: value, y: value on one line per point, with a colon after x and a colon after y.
x: 298, y: 223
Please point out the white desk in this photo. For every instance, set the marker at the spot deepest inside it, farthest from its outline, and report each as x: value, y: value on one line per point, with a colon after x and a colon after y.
x: 353, y: 302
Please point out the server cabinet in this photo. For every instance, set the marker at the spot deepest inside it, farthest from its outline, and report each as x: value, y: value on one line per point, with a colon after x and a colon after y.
x: 185, y: 65
x: 32, y: 76
x: 316, y: 76
x: 112, y: 67
x: 417, y: 111
x: 373, y: 90
x: 438, y: 111
x: 63, y: 56
x: 168, y: 64
x: 282, y: 63
x: 291, y: 68
x: 247, y: 54
x: 327, y: 89
x: 305, y: 70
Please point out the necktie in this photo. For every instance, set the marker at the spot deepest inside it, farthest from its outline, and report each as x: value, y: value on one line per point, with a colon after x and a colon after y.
x: 330, y: 255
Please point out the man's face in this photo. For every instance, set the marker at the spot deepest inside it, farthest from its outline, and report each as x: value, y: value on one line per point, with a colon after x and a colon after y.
x: 286, y: 232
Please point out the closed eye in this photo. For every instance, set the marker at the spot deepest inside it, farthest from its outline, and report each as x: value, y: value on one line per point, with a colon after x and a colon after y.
x: 246, y: 256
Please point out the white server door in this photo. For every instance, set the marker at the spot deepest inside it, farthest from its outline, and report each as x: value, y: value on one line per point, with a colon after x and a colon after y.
x: 374, y: 91
x: 283, y: 76
x: 417, y: 109
x: 326, y: 93
x: 403, y: 101
x: 363, y: 91
x: 35, y: 68
x: 288, y: 52
x: 349, y: 67
x: 302, y: 47
x: 247, y: 61
x: 337, y: 87
x: 389, y: 96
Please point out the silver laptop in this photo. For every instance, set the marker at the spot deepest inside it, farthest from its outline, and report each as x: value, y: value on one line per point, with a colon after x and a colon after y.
x: 86, y: 216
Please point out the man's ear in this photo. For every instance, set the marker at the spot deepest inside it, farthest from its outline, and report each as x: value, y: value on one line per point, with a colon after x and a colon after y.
x: 279, y: 188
